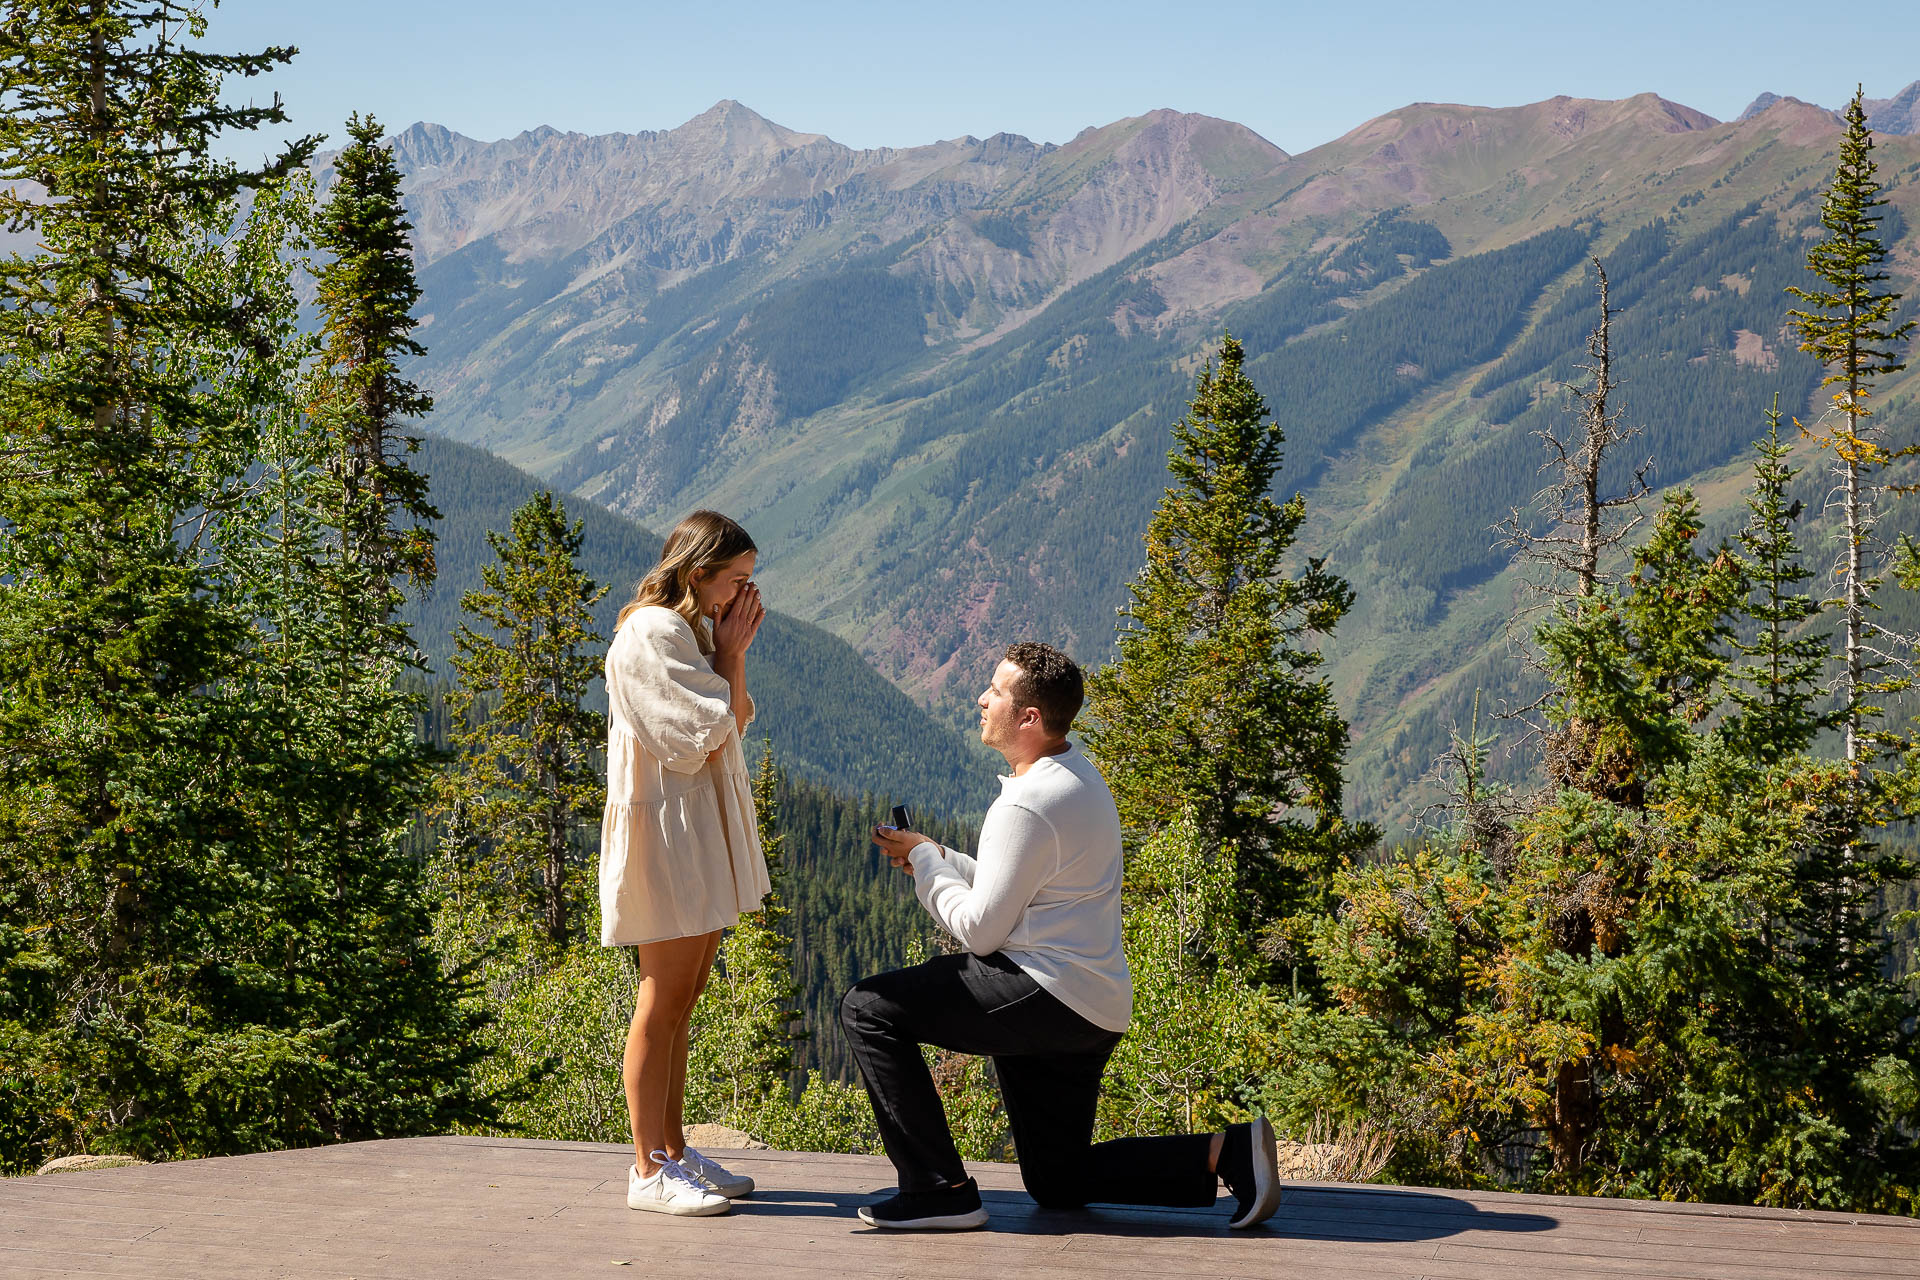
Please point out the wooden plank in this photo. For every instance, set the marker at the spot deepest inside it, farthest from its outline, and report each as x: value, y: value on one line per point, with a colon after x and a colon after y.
x: 20, y: 1228
x: 1679, y: 1264
x: 1788, y: 1238
x: 473, y: 1207
x: 1593, y: 1204
x: 869, y: 1255
x: 1563, y: 1211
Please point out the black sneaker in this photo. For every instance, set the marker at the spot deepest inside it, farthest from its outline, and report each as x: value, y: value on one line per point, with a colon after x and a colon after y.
x: 1250, y: 1167
x: 955, y: 1208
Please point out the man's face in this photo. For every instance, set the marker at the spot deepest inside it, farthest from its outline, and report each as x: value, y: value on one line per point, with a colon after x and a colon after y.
x: 1000, y: 714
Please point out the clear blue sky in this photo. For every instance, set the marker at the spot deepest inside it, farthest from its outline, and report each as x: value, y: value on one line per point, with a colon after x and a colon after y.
x: 901, y: 73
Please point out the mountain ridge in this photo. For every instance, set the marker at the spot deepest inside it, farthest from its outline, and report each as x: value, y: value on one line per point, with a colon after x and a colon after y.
x: 1899, y: 114
x: 936, y: 381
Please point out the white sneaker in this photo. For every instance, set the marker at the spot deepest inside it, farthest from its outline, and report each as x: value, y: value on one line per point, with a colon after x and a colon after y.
x: 715, y: 1175
x: 673, y: 1190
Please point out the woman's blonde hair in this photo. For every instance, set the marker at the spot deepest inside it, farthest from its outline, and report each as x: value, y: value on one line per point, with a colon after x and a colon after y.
x: 704, y: 540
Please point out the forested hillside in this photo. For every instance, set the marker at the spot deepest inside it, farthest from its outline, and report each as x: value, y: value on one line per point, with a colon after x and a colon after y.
x: 853, y: 914
x: 832, y: 718
x: 936, y: 382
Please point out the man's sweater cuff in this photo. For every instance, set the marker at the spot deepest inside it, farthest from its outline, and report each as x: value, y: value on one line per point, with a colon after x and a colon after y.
x: 925, y: 857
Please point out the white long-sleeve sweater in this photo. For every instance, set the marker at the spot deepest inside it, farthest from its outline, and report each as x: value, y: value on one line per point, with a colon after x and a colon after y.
x: 1044, y: 888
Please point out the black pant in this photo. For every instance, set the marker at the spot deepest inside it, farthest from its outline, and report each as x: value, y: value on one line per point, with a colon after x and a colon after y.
x: 1049, y: 1060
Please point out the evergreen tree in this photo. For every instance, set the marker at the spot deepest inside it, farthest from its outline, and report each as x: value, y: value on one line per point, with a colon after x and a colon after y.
x: 526, y: 780
x: 1201, y: 1029
x: 1665, y: 978
x: 127, y: 860
x: 1849, y: 327
x: 1215, y: 706
x: 1777, y: 714
x: 1634, y: 671
x: 367, y: 292
x: 351, y: 911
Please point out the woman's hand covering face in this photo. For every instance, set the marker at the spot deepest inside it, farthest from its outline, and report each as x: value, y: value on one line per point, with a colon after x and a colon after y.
x: 737, y: 622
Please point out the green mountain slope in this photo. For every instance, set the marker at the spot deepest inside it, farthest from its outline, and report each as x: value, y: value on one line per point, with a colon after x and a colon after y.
x: 832, y: 718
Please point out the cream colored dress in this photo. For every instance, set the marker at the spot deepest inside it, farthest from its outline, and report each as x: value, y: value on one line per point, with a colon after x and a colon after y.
x: 679, y: 852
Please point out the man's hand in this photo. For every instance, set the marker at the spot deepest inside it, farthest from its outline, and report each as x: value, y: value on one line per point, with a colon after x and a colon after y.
x: 897, y: 844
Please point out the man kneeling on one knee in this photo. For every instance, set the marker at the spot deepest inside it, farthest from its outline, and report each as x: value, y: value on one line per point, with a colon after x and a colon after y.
x: 1042, y: 988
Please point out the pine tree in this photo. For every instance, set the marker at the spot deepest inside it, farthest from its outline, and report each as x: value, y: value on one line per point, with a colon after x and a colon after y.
x: 1849, y: 327
x: 351, y: 534
x: 1777, y: 714
x: 1635, y: 670
x: 1215, y: 706
x: 1200, y: 1025
x: 125, y: 848
x: 527, y: 779
x: 367, y: 293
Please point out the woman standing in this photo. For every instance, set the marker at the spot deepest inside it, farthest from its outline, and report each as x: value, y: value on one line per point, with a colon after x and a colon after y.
x: 680, y: 857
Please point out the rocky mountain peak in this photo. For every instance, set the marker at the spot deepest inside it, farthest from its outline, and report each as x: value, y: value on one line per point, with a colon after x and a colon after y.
x: 1898, y: 114
x: 740, y: 128
x: 424, y: 146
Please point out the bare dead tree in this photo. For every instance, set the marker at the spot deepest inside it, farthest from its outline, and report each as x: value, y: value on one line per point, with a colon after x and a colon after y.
x: 1563, y: 556
x: 1581, y: 524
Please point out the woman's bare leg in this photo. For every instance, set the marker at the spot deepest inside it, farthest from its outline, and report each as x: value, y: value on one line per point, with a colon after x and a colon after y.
x: 671, y: 972
x: 676, y: 1094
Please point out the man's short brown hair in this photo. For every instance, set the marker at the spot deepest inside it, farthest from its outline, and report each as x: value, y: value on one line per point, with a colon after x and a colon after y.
x: 1050, y: 681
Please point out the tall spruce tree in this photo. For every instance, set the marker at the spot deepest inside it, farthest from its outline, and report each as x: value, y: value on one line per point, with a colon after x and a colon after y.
x: 1215, y: 705
x: 1849, y: 327
x: 1780, y: 684
x: 125, y: 848
x: 367, y: 292
x: 526, y: 779
x: 352, y: 535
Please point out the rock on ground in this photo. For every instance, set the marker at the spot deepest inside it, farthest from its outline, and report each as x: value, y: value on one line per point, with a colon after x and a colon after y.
x: 71, y: 1164
x: 718, y: 1137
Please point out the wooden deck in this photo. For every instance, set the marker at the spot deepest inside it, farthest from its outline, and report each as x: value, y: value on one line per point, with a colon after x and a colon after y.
x: 482, y: 1207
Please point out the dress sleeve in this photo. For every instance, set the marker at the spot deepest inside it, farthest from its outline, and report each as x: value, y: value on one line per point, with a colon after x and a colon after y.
x: 675, y: 703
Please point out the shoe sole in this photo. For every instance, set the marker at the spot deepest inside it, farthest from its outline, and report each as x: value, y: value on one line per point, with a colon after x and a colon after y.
x: 733, y: 1190
x: 682, y: 1211
x: 943, y: 1222
x: 1266, y: 1177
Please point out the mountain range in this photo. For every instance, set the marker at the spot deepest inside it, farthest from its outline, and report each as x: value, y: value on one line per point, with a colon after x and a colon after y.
x: 936, y: 382
x: 1898, y: 114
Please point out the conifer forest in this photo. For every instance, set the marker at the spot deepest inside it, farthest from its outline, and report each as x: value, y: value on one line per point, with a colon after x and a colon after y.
x: 302, y: 726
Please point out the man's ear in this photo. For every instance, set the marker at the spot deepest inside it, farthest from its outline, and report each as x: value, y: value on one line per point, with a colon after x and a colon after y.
x: 1030, y: 716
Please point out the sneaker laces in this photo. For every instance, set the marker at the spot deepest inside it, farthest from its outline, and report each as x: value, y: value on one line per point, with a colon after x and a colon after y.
x: 701, y: 1167
x: 673, y: 1171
